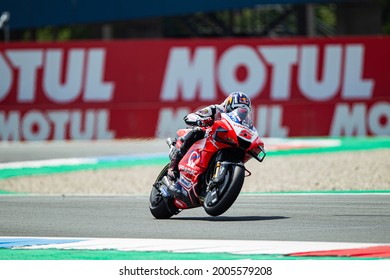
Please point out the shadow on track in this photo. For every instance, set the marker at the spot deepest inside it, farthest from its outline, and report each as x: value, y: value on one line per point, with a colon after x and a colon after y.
x: 231, y: 219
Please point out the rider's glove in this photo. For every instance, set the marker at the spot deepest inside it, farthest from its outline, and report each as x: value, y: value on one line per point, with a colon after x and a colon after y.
x: 205, y: 121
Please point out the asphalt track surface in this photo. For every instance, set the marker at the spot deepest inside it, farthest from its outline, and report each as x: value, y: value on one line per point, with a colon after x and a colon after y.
x: 328, y: 217
x: 352, y: 217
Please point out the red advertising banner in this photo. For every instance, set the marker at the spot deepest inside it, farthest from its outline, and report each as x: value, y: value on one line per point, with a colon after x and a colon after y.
x: 143, y: 88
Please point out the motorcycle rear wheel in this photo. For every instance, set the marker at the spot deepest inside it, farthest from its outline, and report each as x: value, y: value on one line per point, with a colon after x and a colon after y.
x: 157, y: 205
x: 236, y: 181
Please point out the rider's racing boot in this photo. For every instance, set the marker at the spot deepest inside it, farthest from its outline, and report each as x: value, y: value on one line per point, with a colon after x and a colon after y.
x: 173, y: 170
x: 171, y: 188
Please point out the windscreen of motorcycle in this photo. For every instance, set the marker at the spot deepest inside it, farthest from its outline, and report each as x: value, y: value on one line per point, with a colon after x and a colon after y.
x: 242, y: 123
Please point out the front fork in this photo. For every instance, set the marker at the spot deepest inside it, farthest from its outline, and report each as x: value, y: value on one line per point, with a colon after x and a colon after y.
x: 219, y: 175
x: 219, y: 181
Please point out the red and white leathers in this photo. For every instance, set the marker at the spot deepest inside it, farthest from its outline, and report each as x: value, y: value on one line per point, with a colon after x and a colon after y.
x: 205, y: 116
x: 202, y: 118
x: 198, y: 119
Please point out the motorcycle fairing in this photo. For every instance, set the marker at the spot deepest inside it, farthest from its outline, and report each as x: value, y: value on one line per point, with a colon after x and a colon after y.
x: 196, y: 161
x: 191, y: 165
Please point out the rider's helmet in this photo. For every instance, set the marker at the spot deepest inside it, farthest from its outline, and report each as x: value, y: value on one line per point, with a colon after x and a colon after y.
x: 236, y: 100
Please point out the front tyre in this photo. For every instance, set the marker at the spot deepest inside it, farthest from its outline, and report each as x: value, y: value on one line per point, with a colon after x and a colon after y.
x: 231, y: 191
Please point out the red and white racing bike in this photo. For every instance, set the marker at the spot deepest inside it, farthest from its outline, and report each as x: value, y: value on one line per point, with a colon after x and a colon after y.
x: 212, y: 171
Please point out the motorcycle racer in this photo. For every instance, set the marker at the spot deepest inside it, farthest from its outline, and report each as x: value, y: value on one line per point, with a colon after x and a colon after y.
x: 202, y: 118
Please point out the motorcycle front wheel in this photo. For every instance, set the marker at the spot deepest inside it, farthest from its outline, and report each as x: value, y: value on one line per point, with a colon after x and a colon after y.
x: 226, y: 198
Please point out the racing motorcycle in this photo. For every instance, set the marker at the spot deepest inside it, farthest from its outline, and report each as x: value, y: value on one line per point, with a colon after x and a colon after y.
x: 212, y: 172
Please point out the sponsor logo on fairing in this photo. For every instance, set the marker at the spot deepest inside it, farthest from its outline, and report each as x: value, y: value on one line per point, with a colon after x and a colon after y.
x: 184, y: 182
x: 187, y: 170
x: 192, y: 159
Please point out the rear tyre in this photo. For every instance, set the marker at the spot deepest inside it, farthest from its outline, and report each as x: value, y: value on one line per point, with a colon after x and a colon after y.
x: 157, y: 205
x: 231, y: 192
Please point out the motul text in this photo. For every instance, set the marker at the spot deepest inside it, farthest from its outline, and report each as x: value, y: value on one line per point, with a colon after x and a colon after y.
x: 122, y: 89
